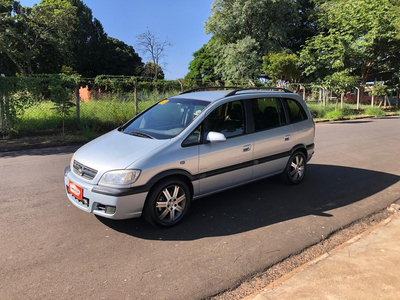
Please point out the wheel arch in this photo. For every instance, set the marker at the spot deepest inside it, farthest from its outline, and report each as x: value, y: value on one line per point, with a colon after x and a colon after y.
x: 177, y: 173
x: 299, y: 147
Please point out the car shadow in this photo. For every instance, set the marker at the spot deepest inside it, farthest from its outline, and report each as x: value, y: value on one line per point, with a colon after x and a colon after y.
x: 265, y: 202
x: 352, y: 122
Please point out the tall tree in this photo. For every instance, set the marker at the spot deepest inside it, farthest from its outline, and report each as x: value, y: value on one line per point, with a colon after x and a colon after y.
x: 89, y: 42
x: 24, y: 31
x: 119, y: 58
x: 155, y: 48
x: 357, y: 37
x: 241, y: 61
x: 91, y: 45
x: 201, y: 68
x: 281, y: 66
x: 260, y: 26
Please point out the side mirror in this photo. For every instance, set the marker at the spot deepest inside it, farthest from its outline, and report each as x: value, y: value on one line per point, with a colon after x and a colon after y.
x: 215, y: 137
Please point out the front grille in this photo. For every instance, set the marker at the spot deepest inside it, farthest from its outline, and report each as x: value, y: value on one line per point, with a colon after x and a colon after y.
x: 84, y: 171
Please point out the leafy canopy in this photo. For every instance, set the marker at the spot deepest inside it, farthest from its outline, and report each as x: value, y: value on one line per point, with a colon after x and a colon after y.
x: 357, y: 37
x: 281, y: 66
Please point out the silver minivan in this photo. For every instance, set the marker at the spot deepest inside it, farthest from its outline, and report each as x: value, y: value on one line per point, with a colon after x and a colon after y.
x: 189, y: 146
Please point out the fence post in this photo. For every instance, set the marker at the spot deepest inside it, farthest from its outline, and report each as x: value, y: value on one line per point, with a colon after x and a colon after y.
x: 135, y: 98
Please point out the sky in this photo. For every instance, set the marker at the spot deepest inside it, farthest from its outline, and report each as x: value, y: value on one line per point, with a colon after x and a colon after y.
x: 181, y: 21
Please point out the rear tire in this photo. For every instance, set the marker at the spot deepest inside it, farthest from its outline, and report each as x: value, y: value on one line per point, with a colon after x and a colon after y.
x: 296, y: 168
x: 167, y: 203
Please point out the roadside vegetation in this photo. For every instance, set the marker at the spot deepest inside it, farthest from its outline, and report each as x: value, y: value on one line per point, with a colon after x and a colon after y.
x: 325, y: 49
x: 109, y: 112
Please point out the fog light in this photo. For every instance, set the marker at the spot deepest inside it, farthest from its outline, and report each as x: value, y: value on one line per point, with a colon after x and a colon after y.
x: 110, y: 210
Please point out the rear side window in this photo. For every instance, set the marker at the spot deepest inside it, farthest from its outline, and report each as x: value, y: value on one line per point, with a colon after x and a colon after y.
x: 296, y: 111
x: 267, y: 113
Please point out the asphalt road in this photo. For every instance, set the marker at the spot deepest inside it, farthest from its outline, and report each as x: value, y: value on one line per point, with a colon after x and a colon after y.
x: 51, y: 250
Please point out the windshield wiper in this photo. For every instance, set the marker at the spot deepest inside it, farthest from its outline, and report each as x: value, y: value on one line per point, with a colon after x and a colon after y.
x: 141, y: 134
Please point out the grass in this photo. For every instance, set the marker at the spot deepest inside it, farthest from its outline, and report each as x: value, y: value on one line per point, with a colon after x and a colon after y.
x: 349, y: 111
x: 95, y: 116
x: 331, y: 112
x: 375, y: 111
x: 108, y: 112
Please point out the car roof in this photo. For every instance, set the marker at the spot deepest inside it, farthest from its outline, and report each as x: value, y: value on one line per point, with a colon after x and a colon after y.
x: 205, y: 95
x: 218, y: 94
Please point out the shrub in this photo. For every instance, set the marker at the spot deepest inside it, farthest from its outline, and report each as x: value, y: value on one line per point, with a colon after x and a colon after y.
x: 334, y: 115
x: 375, y: 111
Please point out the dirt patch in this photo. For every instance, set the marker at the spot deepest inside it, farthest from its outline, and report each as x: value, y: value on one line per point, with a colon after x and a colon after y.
x: 260, y: 281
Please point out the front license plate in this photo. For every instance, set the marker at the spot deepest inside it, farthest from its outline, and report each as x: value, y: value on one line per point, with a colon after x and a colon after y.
x: 75, y: 190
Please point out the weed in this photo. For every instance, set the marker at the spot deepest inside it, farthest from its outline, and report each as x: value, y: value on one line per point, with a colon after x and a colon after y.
x: 375, y: 111
x: 334, y: 115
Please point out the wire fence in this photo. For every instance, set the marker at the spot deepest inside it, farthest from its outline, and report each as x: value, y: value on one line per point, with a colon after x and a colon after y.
x: 59, y: 104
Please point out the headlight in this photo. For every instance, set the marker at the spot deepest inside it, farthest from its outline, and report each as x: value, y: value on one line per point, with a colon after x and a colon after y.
x: 121, y: 178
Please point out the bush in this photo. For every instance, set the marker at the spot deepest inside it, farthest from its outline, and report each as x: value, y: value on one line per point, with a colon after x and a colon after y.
x: 375, y: 111
x: 334, y: 115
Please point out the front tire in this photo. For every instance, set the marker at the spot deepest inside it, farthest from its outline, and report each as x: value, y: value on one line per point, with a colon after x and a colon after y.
x: 296, y: 168
x: 167, y: 202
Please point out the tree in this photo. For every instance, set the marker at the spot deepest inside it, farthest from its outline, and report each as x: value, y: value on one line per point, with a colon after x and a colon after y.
x: 201, y: 68
x: 281, y: 66
x: 151, y: 70
x: 305, y: 27
x: 89, y: 42
x: 118, y: 58
x: 24, y: 31
x: 340, y: 82
x: 259, y: 25
x: 153, y: 47
x: 357, y: 37
x: 60, y: 35
x: 240, y: 61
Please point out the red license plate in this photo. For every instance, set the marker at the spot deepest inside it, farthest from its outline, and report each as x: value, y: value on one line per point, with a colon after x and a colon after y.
x: 75, y: 190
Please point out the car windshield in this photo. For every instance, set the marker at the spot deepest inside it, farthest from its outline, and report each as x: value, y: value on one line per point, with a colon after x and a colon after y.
x: 166, y: 119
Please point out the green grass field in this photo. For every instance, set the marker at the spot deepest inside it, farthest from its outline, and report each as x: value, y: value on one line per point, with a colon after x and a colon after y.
x: 109, y: 112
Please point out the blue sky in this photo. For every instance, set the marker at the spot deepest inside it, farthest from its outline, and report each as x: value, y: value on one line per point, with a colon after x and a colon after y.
x: 182, y: 21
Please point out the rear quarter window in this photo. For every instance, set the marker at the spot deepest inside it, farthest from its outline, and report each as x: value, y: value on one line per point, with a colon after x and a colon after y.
x: 296, y: 111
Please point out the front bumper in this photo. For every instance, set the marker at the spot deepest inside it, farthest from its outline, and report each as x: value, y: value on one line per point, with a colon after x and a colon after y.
x: 118, y: 206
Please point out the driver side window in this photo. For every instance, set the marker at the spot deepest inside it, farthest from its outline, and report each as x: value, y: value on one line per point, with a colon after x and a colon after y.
x: 227, y: 119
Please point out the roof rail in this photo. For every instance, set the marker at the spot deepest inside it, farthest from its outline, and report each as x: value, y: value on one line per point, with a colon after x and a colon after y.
x: 267, y: 88
x: 210, y: 88
x: 236, y: 89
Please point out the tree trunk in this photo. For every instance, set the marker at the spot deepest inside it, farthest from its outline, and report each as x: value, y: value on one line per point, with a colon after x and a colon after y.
x: 181, y: 84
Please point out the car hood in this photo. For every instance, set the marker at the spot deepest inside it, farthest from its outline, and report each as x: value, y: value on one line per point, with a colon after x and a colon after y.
x: 115, y: 150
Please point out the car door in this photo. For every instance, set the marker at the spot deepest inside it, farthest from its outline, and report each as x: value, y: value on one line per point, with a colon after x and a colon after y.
x: 228, y: 163
x: 273, y: 138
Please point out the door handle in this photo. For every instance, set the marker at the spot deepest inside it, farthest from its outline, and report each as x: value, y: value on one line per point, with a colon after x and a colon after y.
x: 287, y: 137
x: 246, y: 148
